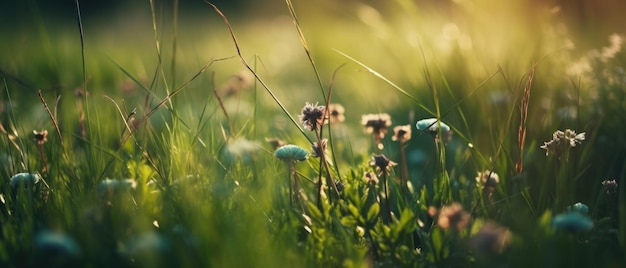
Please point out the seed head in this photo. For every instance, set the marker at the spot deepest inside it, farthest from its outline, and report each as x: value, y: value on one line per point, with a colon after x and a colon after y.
x: 319, y: 148
x: 376, y: 124
x: 382, y: 164
x: 401, y: 133
x: 312, y: 116
x: 453, y: 216
x: 40, y: 137
x: 336, y: 112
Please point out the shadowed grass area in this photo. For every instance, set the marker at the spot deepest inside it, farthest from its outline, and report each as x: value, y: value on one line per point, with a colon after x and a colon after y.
x: 470, y: 133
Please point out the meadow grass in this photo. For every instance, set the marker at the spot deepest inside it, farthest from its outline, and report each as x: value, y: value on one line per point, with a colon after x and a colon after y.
x: 463, y: 143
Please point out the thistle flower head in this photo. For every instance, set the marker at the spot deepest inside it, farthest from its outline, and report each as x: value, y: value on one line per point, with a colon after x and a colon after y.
x: 376, y: 124
x: 382, y: 164
x: 401, y: 133
x: 336, y: 113
x: 313, y: 116
x: 291, y: 152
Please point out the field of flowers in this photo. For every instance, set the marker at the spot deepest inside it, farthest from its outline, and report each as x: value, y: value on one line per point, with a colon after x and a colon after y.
x: 312, y: 134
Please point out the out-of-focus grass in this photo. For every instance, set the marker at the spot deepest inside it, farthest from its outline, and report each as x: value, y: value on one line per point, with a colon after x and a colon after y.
x: 209, y: 185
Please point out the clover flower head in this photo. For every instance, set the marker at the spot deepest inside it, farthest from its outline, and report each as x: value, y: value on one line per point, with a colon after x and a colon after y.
x: 562, y: 141
x: 453, y: 216
x: 40, y: 137
x: 336, y: 113
x: 401, y: 133
x: 382, y: 164
x: 291, y: 152
x: 319, y: 148
x: 313, y: 116
x: 376, y: 124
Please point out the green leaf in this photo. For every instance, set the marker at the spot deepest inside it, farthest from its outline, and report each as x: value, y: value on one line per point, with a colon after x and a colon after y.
x: 314, y: 211
x: 348, y: 221
x: 373, y: 212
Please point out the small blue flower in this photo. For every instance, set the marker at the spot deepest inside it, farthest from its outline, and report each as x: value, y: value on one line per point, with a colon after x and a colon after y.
x: 291, y: 152
x: 431, y: 125
x: 146, y: 243
x: 56, y: 245
x: 109, y: 186
x: 572, y: 221
x: 26, y: 179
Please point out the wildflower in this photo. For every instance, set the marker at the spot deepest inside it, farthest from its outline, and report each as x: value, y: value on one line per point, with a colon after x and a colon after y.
x: 401, y: 133
x: 382, y: 164
x: 57, y: 248
x: 561, y: 141
x: 610, y: 186
x: 572, y: 222
x: 336, y: 112
x: 25, y: 179
x: 488, y: 178
x: 313, y: 116
x: 241, y: 149
x: 40, y: 137
x: 291, y: 152
x: 370, y: 178
x: 236, y: 83
x: 79, y: 92
x: 376, y: 124
x: 453, y: 216
x: 275, y: 142
x: 109, y: 187
x: 491, y: 238
x: 431, y: 125
x: 319, y: 148
x: 432, y: 211
x: 146, y: 244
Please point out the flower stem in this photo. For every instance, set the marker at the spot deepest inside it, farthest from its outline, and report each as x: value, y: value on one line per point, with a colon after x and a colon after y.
x: 386, y: 189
